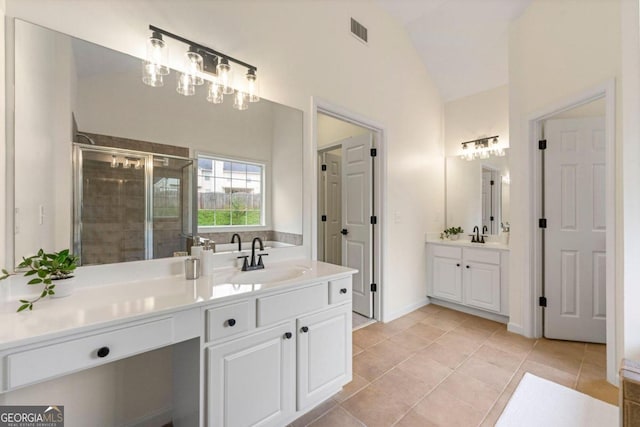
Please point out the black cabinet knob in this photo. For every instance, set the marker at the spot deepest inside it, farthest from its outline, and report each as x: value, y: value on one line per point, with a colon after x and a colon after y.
x: 344, y: 231
x: 231, y: 322
x: 458, y: 265
x: 288, y: 335
x: 304, y: 329
x: 103, y: 351
x: 343, y: 290
x: 468, y: 266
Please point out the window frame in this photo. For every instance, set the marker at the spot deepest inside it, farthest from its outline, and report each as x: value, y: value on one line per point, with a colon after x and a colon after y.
x: 263, y: 190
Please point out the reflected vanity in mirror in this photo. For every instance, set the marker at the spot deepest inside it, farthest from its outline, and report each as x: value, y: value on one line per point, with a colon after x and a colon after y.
x: 477, y: 193
x: 122, y: 171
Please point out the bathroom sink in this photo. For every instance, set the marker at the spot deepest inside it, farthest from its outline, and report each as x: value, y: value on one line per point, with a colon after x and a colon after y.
x: 266, y: 276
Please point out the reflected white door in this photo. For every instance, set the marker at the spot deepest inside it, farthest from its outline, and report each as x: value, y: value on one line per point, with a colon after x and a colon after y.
x: 575, y: 257
x: 356, y: 218
x: 333, y: 210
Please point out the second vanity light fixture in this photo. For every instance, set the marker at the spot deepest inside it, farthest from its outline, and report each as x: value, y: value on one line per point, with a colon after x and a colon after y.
x: 482, y: 148
x: 200, y: 60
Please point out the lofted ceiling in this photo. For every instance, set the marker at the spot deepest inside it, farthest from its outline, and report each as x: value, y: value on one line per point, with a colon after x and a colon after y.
x: 463, y: 43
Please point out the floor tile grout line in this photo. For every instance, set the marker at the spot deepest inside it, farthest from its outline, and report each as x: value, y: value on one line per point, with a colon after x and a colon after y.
x: 509, y: 382
x: 445, y: 378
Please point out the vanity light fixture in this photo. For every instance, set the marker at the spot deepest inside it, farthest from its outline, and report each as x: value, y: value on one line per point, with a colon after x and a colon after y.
x: 201, y: 63
x: 482, y: 148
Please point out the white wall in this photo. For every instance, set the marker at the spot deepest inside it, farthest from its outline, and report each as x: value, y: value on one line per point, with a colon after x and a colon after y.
x: 304, y: 49
x: 630, y: 155
x: 7, y: 244
x: 331, y: 130
x: 476, y: 116
x: 286, y: 185
x: 557, y: 49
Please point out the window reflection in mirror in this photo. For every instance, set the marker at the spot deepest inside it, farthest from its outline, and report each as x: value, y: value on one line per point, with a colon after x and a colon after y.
x: 94, y: 97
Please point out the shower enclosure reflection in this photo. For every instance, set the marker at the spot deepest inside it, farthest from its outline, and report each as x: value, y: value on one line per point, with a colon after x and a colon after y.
x: 130, y: 205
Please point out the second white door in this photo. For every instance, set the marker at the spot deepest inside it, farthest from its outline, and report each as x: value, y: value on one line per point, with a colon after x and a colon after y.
x: 575, y: 257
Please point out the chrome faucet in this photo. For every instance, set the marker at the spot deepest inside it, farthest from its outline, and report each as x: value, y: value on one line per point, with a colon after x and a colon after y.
x: 233, y: 239
x: 254, y: 265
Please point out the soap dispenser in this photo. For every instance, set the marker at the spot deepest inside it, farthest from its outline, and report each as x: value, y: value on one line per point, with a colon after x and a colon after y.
x: 196, y: 249
x: 207, y: 258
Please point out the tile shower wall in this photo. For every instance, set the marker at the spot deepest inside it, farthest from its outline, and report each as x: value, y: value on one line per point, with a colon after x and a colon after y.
x: 113, y: 214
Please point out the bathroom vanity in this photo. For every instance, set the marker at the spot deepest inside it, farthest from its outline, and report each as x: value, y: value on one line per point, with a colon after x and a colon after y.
x: 249, y: 348
x: 471, y: 277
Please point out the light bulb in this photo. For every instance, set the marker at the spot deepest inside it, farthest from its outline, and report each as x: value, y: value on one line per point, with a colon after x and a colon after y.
x: 224, y: 76
x: 150, y: 75
x: 215, y: 95
x: 240, y: 101
x: 252, y: 86
x: 114, y: 162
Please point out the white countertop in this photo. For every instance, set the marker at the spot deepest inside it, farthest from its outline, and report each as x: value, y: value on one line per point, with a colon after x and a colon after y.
x: 466, y: 242
x: 95, y: 306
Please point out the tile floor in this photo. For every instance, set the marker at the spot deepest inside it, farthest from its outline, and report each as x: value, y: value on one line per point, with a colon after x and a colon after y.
x: 439, y: 367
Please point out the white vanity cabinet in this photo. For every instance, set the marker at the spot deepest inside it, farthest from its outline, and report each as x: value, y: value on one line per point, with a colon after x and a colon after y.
x: 295, y: 353
x: 473, y: 277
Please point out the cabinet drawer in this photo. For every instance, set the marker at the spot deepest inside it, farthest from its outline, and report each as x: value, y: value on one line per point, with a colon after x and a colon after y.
x: 290, y: 304
x: 340, y: 290
x: 228, y: 320
x: 66, y: 357
x: 447, y: 251
x: 486, y: 256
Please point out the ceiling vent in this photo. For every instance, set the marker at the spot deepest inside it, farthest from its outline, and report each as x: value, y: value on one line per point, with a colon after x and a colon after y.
x: 359, y: 31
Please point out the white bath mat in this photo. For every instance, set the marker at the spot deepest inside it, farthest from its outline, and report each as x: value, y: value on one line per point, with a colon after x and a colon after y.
x: 538, y: 402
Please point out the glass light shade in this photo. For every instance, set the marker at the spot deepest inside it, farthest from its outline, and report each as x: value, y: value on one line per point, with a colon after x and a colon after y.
x: 158, y: 54
x: 150, y: 75
x: 240, y: 101
x: 114, y: 162
x: 224, y: 76
x: 193, y: 67
x: 215, y: 95
x: 185, y: 85
x: 253, y: 90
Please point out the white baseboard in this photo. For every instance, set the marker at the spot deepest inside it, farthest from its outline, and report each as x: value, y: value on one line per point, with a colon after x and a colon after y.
x: 515, y: 328
x: 158, y: 418
x: 406, y: 310
x: 470, y: 310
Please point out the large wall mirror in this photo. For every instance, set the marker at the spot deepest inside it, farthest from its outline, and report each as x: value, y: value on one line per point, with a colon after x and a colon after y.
x: 477, y: 193
x: 122, y: 171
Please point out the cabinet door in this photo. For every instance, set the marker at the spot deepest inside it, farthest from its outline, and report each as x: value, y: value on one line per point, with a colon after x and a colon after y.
x: 324, y: 355
x: 447, y: 279
x: 251, y: 380
x: 482, y: 285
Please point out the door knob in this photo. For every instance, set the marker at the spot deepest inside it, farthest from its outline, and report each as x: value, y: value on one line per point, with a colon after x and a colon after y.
x: 344, y: 231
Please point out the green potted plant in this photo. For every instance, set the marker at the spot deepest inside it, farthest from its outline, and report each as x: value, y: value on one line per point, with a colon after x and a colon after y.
x: 453, y: 233
x: 53, y: 270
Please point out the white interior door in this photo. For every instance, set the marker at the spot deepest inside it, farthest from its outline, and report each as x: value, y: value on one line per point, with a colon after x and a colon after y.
x: 356, y: 218
x: 333, y: 208
x: 575, y: 256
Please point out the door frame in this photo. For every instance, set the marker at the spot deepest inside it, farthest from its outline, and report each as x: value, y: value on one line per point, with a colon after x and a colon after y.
x: 319, y: 105
x: 533, y: 314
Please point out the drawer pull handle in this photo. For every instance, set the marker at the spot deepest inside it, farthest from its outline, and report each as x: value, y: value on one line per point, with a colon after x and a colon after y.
x: 343, y: 290
x: 304, y: 329
x: 103, y: 351
x: 288, y: 335
x: 231, y: 322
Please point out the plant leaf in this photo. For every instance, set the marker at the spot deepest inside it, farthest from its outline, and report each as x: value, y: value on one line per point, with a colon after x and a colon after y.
x: 34, y: 281
x: 43, y: 294
x: 30, y: 272
x: 41, y: 274
x: 23, y: 307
